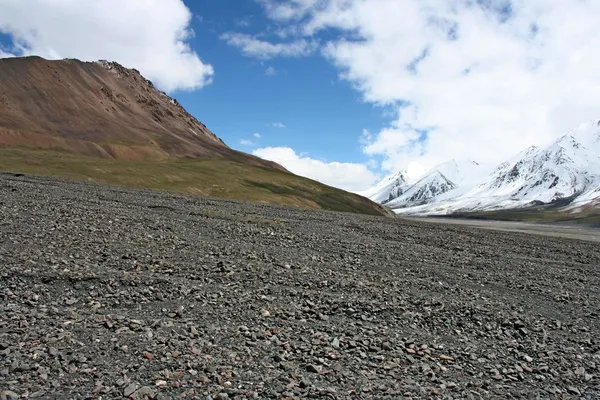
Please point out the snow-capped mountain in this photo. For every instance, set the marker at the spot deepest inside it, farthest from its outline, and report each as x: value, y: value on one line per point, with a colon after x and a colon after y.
x: 389, y: 188
x: 566, y: 171
x: 563, y: 169
x: 427, y: 188
x: 396, y: 191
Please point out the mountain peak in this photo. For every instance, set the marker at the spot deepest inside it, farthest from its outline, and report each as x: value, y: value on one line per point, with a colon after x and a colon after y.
x: 428, y: 187
x: 388, y: 188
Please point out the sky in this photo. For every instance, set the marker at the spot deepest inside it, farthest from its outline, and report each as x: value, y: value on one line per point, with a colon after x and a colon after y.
x: 344, y: 91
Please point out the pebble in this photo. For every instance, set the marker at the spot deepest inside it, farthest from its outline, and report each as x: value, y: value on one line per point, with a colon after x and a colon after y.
x: 145, y: 392
x: 9, y: 395
x: 312, y: 368
x: 335, y: 343
x: 130, y: 389
x: 574, y: 390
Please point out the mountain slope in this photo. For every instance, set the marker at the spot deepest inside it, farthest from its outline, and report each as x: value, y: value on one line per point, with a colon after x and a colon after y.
x: 107, y: 123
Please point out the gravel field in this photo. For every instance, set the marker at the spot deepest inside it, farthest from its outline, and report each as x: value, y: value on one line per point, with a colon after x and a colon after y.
x: 108, y: 293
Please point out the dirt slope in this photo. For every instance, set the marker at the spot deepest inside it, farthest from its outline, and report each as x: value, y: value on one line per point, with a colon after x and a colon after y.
x: 99, y: 109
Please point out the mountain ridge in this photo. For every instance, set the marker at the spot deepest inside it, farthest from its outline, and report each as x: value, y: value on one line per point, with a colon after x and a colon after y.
x: 567, y: 171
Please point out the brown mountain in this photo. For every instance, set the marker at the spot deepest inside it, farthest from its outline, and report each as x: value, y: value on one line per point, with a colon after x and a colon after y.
x: 104, y: 122
x: 99, y: 109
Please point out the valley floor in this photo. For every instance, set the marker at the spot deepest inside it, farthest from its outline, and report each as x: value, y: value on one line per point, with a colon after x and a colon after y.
x: 109, y: 292
x: 573, y: 231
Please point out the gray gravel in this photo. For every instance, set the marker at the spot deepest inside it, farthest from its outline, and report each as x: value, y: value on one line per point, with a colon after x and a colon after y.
x: 111, y: 293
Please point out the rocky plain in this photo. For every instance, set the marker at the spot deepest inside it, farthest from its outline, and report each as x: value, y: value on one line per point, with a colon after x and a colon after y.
x: 109, y: 293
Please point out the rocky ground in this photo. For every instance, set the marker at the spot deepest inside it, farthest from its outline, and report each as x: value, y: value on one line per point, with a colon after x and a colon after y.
x: 111, y: 293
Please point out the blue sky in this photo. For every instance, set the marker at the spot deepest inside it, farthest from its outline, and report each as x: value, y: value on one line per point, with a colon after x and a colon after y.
x: 360, y: 89
x: 323, y: 115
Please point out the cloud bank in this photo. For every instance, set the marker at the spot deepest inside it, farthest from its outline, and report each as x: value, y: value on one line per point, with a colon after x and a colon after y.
x: 347, y: 176
x: 467, y: 79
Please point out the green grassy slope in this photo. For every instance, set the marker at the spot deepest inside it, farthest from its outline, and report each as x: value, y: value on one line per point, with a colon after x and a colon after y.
x: 206, y: 177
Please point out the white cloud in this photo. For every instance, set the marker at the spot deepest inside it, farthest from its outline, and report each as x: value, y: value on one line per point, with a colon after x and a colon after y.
x: 245, y: 21
x: 257, y: 135
x: 288, y: 10
x: 251, y: 46
x: 245, y: 142
x: 270, y: 71
x: 278, y: 125
x: 347, y: 176
x: 484, y: 78
x: 151, y: 36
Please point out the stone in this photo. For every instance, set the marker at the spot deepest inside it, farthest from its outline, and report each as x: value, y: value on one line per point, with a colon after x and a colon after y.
x: 9, y: 395
x: 144, y: 392
x: 335, y: 343
x: 130, y: 389
x: 312, y: 368
x: 574, y: 390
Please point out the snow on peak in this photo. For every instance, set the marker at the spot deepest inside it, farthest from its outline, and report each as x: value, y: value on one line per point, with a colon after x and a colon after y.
x: 459, y: 172
x: 429, y: 187
x: 587, y: 133
x: 388, y: 188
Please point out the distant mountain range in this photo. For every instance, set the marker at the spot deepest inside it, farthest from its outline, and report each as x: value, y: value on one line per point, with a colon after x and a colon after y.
x: 565, y: 174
